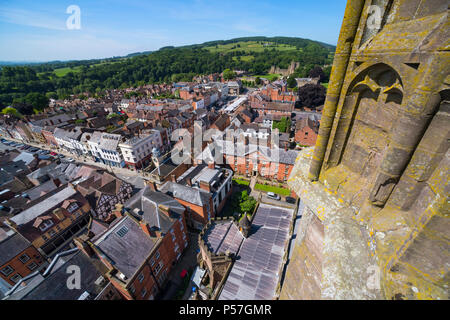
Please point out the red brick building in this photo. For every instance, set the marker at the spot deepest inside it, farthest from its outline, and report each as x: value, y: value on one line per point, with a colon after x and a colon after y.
x: 143, y: 246
x: 306, y: 132
x: 18, y: 257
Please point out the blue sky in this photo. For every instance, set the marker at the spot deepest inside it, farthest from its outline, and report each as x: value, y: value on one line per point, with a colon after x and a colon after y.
x: 36, y: 30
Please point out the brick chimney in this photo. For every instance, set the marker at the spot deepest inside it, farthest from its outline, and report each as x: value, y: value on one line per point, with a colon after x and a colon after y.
x: 211, y: 165
x: 189, y: 182
x: 152, y: 186
x: 147, y: 229
x: 118, y: 211
x: 82, y: 244
x: 174, y: 178
x: 205, y: 186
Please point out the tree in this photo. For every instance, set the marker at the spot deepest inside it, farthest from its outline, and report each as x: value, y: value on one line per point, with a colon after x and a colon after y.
x: 258, y: 81
x: 248, y: 205
x: 291, y: 82
x: 317, y: 72
x: 228, y: 74
x: 37, y: 100
x: 11, y: 111
x: 283, y: 125
x: 311, y: 95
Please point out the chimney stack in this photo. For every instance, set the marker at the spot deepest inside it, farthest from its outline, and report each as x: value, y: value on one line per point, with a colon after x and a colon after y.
x: 174, y: 179
x: 189, y: 182
x: 82, y: 244
x: 152, y: 186
x: 205, y: 186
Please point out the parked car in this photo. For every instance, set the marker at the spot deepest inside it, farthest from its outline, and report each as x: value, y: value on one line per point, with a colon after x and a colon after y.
x: 291, y: 200
x: 273, y: 196
x: 61, y: 156
x: 33, y: 149
x: 53, y: 154
x: 70, y: 160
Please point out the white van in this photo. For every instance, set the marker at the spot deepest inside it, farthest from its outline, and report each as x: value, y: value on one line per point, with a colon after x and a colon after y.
x: 273, y: 196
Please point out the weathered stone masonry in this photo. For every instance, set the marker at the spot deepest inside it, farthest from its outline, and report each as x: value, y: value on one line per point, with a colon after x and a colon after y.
x: 377, y: 179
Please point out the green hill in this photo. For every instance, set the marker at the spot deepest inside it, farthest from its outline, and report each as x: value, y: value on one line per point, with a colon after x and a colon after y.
x: 254, y: 54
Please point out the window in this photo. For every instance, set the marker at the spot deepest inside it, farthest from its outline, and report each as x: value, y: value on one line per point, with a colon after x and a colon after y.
x: 132, y: 290
x: 52, y: 233
x: 141, y: 277
x: 122, y: 231
x: 45, y: 225
x: 159, y: 267
x: 157, y: 255
x: 152, y: 262
x: 143, y: 293
x: 72, y: 207
x: 24, y: 258
x: 15, y: 278
x: 7, y: 270
x: 32, y: 266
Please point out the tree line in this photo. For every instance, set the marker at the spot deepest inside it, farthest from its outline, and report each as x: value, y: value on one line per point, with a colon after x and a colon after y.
x: 28, y: 88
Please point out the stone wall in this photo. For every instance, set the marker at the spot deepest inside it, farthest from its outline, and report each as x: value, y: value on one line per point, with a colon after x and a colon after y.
x: 378, y: 175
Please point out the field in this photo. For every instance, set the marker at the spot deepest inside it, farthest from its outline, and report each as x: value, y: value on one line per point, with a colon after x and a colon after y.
x: 63, y: 71
x: 250, y: 46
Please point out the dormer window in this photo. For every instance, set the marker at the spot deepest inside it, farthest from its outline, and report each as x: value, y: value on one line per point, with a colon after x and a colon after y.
x: 73, y: 207
x: 45, y: 225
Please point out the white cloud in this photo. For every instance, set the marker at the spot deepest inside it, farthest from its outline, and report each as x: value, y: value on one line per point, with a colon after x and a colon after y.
x: 32, y: 19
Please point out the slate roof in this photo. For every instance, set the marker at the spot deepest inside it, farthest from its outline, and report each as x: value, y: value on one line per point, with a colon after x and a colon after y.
x: 255, y: 274
x: 192, y: 195
x: 12, y: 246
x: 37, y: 209
x: 222, y: 237
x: 126, y: 253
x: 53, y: 285
x: 144, y: 205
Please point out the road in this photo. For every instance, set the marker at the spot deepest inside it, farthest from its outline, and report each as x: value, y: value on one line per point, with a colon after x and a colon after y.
x: 133, y: 177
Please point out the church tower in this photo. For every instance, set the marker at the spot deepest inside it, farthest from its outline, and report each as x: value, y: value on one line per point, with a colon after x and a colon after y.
x: 376, y: 185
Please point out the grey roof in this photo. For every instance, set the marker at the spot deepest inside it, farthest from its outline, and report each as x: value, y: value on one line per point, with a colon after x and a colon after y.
x: 192, y: 195
x: 126, y: 253
x: 223, y: 236
x: 54, y: 285
x: 109, y: 141
x: 256, y: 272
x: 11, y: 247
x: 35, y: 211
x: 146, y: 202
x: 37, y: 191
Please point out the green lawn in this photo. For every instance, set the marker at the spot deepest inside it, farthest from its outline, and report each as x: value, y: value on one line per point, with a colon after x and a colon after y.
x: 277, y: 190
x: 241, y: 182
